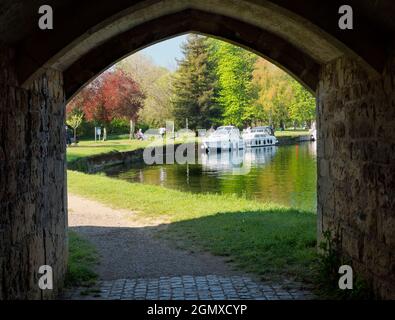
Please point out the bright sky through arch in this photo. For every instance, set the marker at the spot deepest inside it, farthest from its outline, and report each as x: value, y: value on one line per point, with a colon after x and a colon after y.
x: 166, y: 52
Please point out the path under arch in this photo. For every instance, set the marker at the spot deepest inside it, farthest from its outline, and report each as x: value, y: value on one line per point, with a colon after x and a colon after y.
x: 134, y: 264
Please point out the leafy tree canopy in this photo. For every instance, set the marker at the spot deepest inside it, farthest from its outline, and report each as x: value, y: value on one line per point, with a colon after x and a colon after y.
x: 195, y: 86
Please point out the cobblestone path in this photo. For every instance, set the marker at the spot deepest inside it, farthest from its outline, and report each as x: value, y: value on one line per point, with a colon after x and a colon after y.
x: 211, y: 287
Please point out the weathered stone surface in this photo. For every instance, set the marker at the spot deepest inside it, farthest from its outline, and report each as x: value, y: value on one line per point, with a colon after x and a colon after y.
x: 33, y: 209
x: 357, y: 134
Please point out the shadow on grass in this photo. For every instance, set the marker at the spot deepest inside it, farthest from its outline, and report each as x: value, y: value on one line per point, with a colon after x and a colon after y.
x: 275, y: 244
x: 272, y: 244
x: 82, y: 260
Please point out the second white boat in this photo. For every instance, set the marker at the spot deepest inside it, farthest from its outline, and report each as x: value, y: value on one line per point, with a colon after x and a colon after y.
x: 259, y: 137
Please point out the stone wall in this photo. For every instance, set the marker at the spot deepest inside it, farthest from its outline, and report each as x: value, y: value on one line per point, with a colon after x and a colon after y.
x: 33, y: 208
x: 99, y: 162
x: 356, y: 168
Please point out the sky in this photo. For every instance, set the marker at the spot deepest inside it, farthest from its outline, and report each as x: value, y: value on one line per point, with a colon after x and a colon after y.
x: 166, y: 52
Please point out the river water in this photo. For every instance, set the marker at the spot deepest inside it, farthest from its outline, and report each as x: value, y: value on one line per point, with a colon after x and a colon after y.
x: 284, y: 174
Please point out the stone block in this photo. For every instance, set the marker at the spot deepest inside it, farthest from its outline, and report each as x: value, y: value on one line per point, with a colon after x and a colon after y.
x: 352, y: 243
x: 361, y: 121
x: 386, y: 186
x: 386, y: 227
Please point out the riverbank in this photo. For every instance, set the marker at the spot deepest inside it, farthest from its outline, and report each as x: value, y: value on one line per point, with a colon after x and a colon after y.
x: 87, y: 148
x: 268, y: 240
x: 91, y: 148
x: 95, y: 156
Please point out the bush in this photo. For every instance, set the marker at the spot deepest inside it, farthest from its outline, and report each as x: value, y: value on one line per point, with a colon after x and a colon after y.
x: 86, y: 130
x: 118, y: 126
x: 143, y: 126
x: 327, y: 275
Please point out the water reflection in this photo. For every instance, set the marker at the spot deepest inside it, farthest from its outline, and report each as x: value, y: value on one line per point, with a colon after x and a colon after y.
x: 285, y: 174
x: 237, y: 162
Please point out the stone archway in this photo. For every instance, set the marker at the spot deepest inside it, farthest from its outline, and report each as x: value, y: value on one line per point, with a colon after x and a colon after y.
x: 351, y: 72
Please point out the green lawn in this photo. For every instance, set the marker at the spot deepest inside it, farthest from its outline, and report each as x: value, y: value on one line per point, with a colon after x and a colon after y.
x: 82, y: 259
x: 291, y: 133
x: 266, y: 239
x: 90, y: 148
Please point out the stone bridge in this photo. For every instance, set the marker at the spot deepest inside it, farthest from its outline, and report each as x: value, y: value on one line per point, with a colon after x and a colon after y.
x: 352, y: 73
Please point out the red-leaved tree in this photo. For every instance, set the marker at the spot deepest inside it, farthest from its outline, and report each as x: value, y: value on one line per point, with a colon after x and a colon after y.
x: 112, y: 95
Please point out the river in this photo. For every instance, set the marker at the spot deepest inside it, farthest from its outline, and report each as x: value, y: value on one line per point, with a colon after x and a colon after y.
x: 285, y: 175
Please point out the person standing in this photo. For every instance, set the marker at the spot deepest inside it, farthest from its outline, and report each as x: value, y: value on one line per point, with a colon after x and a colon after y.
x: 68, y: 136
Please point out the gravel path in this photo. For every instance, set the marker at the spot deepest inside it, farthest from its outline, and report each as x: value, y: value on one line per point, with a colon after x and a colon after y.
x: 128, y: 249
x: 135, y: 265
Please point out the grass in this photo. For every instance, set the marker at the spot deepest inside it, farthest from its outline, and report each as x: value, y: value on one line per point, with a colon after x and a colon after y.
x: 271, y: 242
x: 266, y: 239
x: 90, y: 148
x: 291, y: 133
x: 82, y: 259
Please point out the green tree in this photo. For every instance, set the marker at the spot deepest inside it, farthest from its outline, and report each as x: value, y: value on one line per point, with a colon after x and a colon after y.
x: 74, y: 120
x: 274, y: 93
x: 302, y: 106
x: 156, y: 83
x: 237, y: 93
x: 194, y: 86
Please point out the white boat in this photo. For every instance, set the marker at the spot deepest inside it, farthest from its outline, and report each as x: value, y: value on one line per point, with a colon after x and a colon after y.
x: 224, y: 138
x: 259, y: 137
x: 313, y: 132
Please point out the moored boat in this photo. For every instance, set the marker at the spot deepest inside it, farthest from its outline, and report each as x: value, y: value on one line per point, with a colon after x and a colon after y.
x: 259, y: 137
x: 313, y: 132
x: 224, y: 138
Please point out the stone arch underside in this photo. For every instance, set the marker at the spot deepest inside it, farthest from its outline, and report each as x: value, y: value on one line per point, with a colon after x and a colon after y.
x: 351, y: 72
x: 266, y: 44
x: 290, y: 40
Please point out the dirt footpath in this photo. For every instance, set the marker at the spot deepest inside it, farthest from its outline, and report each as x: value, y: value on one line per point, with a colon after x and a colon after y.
x: 128, y: 249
